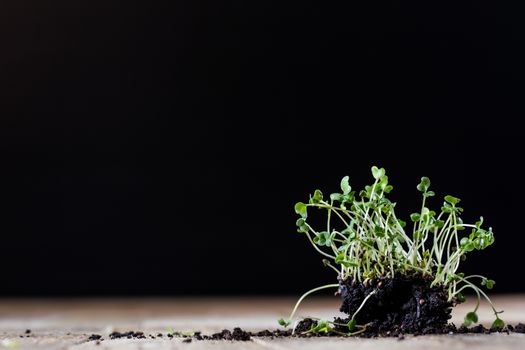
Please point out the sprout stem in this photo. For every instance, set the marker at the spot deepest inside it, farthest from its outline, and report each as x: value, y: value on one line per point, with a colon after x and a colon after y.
x: 307, y: 294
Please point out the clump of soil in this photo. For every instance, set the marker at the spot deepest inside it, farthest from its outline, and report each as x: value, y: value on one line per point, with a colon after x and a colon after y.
x: 519, y: 328
x: 128, y: 335
x: 305, y: 325
x: 400, y: 305
x: 276, y: 333
x: 95, y: 337
x: 237, y: 334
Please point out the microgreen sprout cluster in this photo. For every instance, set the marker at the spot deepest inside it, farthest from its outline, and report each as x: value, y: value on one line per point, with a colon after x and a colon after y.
x: 364, y: 240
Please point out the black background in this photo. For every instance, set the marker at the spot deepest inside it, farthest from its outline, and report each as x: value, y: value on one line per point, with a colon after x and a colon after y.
x: 158, y: 148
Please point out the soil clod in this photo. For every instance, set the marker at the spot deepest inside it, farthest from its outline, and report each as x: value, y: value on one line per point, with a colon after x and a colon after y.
x: 401, y: 305
x: 128, y: 335
x: 305, y: 325
x: 237, y: 334
x: 519, y: 328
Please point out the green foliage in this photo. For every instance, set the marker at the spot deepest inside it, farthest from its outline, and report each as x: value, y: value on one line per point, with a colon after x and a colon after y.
x: 284, y: 323
x: 452, y: 200
x: 498, y: 323
x: 378, y: 173
x: 470, y: 318
x: 364, y: 239
x: 317, y: 197
x: 488, y: 283
x: 351, y: 325
x: 322, y: 326
x: 300, y: 208
x: 424, y: 184
x: 345, y: 187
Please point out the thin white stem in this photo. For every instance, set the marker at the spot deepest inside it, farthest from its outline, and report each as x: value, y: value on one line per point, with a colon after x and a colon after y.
x: 307, y: 294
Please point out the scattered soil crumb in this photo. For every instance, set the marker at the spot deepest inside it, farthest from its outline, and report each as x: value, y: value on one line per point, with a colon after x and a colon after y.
x: 128, y: 335
x: 519, y: 328
x: 238, y: 334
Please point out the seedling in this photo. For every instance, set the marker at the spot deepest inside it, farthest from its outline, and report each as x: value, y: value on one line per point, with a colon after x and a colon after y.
x: 365, y: 242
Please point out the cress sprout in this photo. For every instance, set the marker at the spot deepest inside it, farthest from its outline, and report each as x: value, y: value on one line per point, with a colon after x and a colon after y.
x: 364, y: 240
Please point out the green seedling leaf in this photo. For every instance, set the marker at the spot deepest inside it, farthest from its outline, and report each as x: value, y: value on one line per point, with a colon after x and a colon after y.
x: 383, y: 182
x: 468, y: 247
x: 302, y: 226
x: 480, y: 222
x: 415, y: 217
x: 300, y: 208
x: 470, y: 318
x: 452, y: 200
x: 379, y: 231
x: 317, y: 197
x: 447, y: 208
x: 345, y: 186
x: 377, y: 173
x: 321, y: 327
x: 341, y: 259
x: 349, y: 197
x: 481, y: 239
x: 429, y: 194
x: 488, y: 283
x: 351, y: 325
x: 283, y: 322
x: 460, y: 297
x: 439, y: 223
x: 424, y: 184
x: 498, y: 323
x: 323, y: 239
x: 337, y: 197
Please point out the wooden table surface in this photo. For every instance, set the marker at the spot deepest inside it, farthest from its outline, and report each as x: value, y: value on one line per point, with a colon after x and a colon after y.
x: 65, y: 324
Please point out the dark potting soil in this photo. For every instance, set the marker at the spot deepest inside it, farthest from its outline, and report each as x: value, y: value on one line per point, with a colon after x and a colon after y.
x: 128, y: 335
x: 94, y: 337
x: 237, y: 334
x: 519, y: 328
x: 401, y: 305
